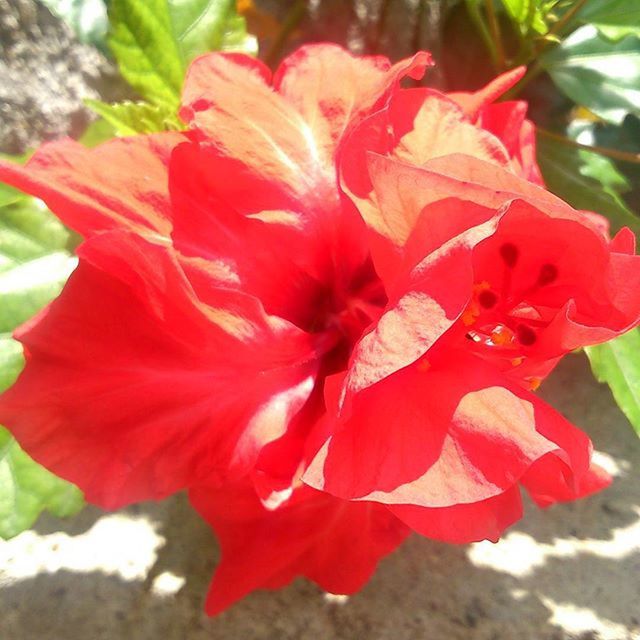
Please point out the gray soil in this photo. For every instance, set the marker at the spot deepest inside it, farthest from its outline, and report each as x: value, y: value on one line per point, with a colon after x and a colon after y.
x: 45, y: 73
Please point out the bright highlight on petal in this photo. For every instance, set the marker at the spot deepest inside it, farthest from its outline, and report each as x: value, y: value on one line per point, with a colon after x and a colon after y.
x: 323, y: 311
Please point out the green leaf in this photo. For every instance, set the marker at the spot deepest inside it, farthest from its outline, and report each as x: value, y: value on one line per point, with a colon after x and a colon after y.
x: 618, y: 364
x: 586, y: 180
x: 9, y: 195
x: 601, y: 75
x: 527, y: 14
x: 88, y: 18
x: 34, y: 264
x: 615, y: 19
x: 155, y: 40
x: 208, y: 25
x: 27, y: 489
x: 142, y: 41
x: 129, y: 118
x: 97, y: 132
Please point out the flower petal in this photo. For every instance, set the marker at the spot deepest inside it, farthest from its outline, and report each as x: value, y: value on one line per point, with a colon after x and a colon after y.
x: 135, y: 389
x: 121, y: 184
x: 335, y: 543
x: 549, y: 480
x: 464, y: 523
x: 432, y: 294
x: 241, y: 227
x: 472, y: 103
x: 334, y: 103
x: 462, y: 434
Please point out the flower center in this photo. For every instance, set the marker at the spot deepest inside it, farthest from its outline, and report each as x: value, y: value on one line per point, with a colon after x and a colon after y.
x: 346, y: 312
x: 500, y: 318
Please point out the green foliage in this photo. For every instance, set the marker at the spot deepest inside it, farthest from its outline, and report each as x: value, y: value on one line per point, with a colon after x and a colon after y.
x: 527, y: 14
x: 9, y: 195
x: 586, y: 180
x: 34, y: 264
x: 88, y: 18
x: 205, y: 25
x: 26, y: 488
x: 618, y: 364
x: 128, y: 118
x: 97, y: 132
x: 155, y: 40
x: 601, y: 75
x: 615, y: 19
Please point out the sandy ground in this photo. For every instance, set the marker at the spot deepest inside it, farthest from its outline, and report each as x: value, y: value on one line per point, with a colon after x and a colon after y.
x: 570, y: 572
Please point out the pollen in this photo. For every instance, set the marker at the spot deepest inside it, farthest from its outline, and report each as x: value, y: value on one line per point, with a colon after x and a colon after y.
x: 470, y: 315
x: 424, y: 365
x: 534, y: 383
x: 502, y: 336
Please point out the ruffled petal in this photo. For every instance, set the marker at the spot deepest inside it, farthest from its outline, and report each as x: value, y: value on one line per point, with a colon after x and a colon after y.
x: 287, y: 139
x: 417, y: 126
x: 464, y: 523
x: 335, y: 543
x: 121, y: 184
x: 334, y: 103
x: 507, y: 121
x: 462, y: 434
x: 236, y: 234
x: 425, y: 300
x: 228, y: 99
x: 134, y: 388
x: 549, y: 480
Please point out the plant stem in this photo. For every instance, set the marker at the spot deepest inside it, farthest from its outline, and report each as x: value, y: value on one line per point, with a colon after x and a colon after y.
x: 476, y: 16
x: 295, y: 15
x: 536, y: 69
x: 623, y: 156
x: 567, y: 17
x: 494, y: 28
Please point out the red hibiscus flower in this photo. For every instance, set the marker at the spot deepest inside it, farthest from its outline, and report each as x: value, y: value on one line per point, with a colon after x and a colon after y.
x: 322, y: 310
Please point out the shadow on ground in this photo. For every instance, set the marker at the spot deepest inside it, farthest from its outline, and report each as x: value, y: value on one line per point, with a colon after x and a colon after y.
x: 570, y: 572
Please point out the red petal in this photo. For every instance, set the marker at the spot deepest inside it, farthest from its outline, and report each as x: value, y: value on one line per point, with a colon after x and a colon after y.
x: 398, y: 193
x: 228, y: 99
x: 549, y: 480
x: 461, y: 434
x: 227, y: 217
x: 417, y: 126
x: 289, y: 137
x: 472, y: 103
x: 336, y: 544
x: 333, y: 103
x: 432, y: 295
x: 624, y: 242
x: 121, y: 184
x: 135, y: 389
x: 464, y: 523
x: 507, y: 121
